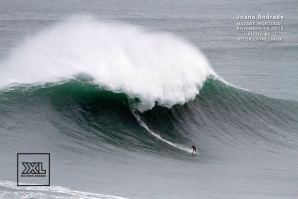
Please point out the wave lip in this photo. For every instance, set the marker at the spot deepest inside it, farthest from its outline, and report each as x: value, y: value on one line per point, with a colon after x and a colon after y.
x: 152, y: 67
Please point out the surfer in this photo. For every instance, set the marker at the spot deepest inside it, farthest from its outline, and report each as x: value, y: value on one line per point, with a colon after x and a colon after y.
x: 194, y: 148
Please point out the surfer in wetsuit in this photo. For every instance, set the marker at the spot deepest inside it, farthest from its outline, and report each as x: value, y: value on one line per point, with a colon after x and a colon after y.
x: 194, y: 148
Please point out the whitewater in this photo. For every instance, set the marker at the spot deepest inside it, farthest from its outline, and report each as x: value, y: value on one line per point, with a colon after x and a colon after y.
x: 153, y: 67
x: 118, y: 92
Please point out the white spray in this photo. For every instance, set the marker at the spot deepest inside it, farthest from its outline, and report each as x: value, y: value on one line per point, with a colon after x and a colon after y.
x: 154, y: 67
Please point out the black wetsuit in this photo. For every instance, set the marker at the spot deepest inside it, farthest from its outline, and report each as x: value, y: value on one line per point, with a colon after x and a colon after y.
x: 194, y: 148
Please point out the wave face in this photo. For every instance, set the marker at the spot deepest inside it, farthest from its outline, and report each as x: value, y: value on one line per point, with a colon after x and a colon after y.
x: 92, y: 130
x: 118, y: 108
x: 82, y: 109
x: 152, y: 67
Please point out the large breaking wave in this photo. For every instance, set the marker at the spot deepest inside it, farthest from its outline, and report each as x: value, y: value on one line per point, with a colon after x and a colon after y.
x: 82, y: 112
x: 113, y: 83
x: 152, y: 67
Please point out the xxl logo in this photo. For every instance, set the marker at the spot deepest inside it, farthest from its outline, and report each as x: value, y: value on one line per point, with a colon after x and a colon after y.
x: 33, y: 168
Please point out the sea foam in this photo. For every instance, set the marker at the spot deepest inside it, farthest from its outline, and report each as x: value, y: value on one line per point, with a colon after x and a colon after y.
x: 154, y: 67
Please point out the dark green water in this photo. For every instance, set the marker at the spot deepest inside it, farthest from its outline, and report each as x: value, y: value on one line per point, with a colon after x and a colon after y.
x: 92, y: 129
x: 118, y: 107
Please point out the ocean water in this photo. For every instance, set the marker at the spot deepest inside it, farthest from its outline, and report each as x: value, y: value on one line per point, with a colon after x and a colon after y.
x: 118, y: 91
